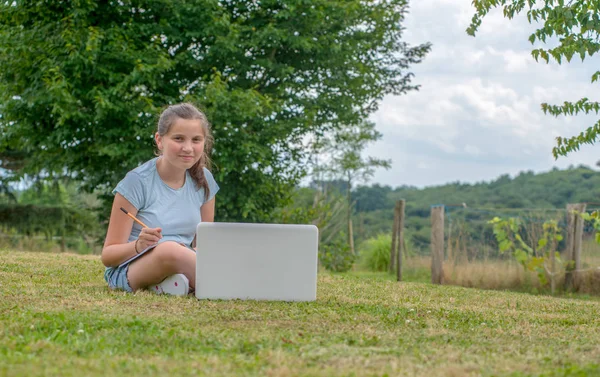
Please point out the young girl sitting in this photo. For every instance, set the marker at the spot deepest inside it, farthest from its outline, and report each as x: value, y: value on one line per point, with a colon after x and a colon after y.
x: 171, y: 194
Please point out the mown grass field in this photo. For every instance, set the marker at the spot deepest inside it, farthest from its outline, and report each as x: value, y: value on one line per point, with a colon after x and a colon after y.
x: 57, y: 318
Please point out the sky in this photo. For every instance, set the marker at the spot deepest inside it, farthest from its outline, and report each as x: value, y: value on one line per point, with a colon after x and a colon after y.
x: 477, y: 114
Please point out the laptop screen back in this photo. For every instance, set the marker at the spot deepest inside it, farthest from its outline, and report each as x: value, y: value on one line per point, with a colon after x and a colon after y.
x: 256, y: 261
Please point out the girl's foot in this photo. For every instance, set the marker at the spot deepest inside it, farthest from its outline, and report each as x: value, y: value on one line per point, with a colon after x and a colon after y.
x: 177, y: 285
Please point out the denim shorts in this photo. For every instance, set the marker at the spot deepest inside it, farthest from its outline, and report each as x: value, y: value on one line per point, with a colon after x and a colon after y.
x: 116, y: 277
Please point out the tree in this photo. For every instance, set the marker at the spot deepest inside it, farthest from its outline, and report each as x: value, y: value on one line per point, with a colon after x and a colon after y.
x: 81, y: 84
x: 372, y: 198
x: 10, y: 162
x: 576, y: 24
x: 344, y: 161
x: 540, y: 255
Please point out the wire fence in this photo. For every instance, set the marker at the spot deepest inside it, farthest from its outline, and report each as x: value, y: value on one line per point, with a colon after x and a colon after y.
x: 473, y: 257
x: 10, y: 239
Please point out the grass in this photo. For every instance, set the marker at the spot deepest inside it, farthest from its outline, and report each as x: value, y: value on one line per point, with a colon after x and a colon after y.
x: 58, y: 318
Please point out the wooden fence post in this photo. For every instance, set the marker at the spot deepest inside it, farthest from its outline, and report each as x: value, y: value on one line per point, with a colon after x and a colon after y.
x: 394, y: 236
x: 400, y: 245
x: 553, y: 270
x: 574, y: 240
x: 351, y: 236
x: 437, y: 244
x: 577, y: 244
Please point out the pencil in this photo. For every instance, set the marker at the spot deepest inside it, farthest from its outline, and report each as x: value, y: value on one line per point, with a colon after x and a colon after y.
x: 134, y: 218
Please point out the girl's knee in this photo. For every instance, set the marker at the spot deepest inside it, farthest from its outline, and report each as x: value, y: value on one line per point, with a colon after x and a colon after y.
x: 173, y: 253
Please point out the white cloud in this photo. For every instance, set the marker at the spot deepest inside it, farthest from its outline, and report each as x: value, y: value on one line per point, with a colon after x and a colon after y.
x: 517, y: 61
x: 478, y: 113
x: 473, y: 150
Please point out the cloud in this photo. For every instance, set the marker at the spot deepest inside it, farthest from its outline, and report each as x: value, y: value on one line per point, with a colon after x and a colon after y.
x: 473, y: 150
x: 477, y: 114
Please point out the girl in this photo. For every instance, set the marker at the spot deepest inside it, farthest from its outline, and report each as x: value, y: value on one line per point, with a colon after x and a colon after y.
x: 171, y: 194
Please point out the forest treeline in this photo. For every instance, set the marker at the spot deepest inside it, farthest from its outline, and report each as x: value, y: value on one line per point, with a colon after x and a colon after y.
x: 373, y: 205
x: 325, y: 205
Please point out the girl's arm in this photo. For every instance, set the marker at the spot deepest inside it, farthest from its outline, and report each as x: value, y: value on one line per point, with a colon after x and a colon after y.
x: 116, y: 248
x: 207, y: 212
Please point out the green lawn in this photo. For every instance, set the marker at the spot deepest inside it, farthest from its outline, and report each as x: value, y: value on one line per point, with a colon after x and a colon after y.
x: 58, y: 318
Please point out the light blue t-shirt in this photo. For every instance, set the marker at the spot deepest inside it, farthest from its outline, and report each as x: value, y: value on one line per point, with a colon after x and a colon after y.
x: 176, y: 211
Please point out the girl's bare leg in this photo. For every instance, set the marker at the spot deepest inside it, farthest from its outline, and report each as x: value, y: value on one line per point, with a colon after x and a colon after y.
x: 168, y: 258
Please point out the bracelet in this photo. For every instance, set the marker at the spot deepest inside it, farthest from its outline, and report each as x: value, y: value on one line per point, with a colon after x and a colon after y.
x: 135, y: 246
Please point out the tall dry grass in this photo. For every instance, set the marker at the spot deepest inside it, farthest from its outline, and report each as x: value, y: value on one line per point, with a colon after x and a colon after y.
x: 505, y: 273
x: 588, y: 278
x: 490, y: 274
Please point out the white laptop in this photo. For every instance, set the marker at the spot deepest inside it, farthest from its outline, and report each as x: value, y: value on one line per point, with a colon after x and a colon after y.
x: 256, y: 261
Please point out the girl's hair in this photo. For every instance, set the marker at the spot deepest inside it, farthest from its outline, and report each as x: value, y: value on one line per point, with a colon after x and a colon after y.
x: 187, y: 111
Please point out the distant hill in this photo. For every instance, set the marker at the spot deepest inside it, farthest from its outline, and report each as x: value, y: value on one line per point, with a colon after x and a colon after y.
x: 553, y: 189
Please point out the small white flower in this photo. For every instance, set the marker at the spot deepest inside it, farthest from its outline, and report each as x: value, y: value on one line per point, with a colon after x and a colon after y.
x: 80, y: 331
x: 411, y: 310
x: 408, y: 321
x: 429, y: 312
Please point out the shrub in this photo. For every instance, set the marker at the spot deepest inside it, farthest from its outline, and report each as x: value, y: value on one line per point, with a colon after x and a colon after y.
x: 336, y: 255
x: 375, y: 252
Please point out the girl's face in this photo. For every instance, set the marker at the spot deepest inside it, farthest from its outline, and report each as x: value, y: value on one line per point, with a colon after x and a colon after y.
x: 183, y: 145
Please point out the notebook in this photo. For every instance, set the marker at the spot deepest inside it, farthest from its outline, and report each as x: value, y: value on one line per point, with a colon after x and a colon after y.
x: 256, y: 261
x: 137, y: 255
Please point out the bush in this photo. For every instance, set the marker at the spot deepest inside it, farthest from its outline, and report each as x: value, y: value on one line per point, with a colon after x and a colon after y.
x: 375, y: 252
x: 336, y: 256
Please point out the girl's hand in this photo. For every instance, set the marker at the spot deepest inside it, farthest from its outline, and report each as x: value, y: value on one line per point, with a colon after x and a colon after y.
x: 148, y: 237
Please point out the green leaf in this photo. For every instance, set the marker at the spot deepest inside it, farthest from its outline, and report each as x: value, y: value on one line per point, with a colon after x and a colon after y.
x: 534, y: 263
x: 574, y: 26
x: 504, y: 245
x: 521, y: 256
